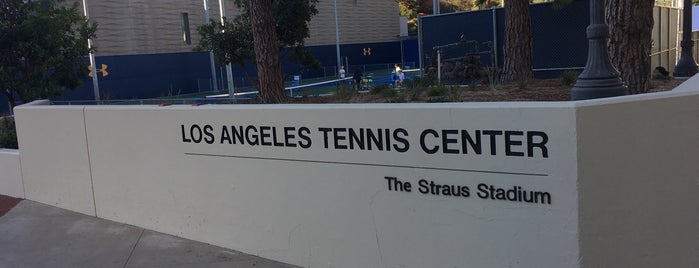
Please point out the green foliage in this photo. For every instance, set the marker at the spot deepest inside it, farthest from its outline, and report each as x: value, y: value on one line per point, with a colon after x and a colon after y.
x: 233, y: 43
x: 414, y: 8
x: 388, y: 92
x: 344, y: 92
x: 568, y: 77
x: 437, y: 91
x: 422, y: 82
x: 392, y: 96
x: 438, y: 99
x: 416, y: 86
x: 8, y: 134
x: 523, y: 83
x: 493, y: 78
x: 42, y: 45
x: 454, y: 93
x: 472, y: 85
x: 379, y: 88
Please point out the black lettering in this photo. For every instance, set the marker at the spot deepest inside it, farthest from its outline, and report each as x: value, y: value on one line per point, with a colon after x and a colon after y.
x: 401, y: 139
x: 356, y: 139
x: 499, y: 193
x: 466, y: 140
x: 374, y: 138
x: 274, y: 138
x: 446, y: 141
x: 339, y: 135
x: 541, y: 144
x: 387, y: 144
x: 493, y: 142
x: 325, y: 131
x: 303, y: 134
x: 509, y: 143
x: 208, y: 131
x: 423, y: 135
x: 288, y: 135
x: 195, y: 133
x: 225, y: 136
x: 394, y: 184
x: 434, y: 188
x: 465, y: 191
x: 251, y: 135
x: 514, y: 194
x: 184, y: 136
x: 543, y: 197
x: 511, y: 194
x: 265, y: 135
x: 424, y: 186
x: 483, y: 191
x: 238, y: 136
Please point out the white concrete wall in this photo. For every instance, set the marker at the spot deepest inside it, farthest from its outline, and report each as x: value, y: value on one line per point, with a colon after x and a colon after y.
x: 10, y: 174
x: 621, y: 174
x: 323, y: 212
x: 639, y: 181
x: 54, y: 157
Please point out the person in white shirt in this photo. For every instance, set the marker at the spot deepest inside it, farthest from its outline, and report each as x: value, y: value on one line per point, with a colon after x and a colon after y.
x: 342, y: 72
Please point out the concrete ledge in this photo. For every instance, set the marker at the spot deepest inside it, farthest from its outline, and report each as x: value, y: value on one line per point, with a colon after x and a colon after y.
x: 597, y: 183
x: 10, y: 174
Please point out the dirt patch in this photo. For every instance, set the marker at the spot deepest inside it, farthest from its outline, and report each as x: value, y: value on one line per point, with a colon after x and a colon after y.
x: 534, y: 90
x: 7, y: 203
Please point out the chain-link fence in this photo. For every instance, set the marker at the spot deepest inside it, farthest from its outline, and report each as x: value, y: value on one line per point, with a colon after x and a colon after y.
x: 559, y: 41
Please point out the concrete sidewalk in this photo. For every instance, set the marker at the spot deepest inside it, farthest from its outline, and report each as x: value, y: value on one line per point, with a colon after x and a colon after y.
x: 37, y: 235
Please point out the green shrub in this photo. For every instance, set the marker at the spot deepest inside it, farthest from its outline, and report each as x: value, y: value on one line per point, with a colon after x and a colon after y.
x: 492, y: 77
x: 388, y: 92
x: 419, y: 82
x: 344, y: 93
x: 472, y: 85
x: 439, y: 99
x: 8, y: 134
x: 395, y: 99
x: 437, y: 91
x: 455, y: 93
x: 379, y: 89
x: 569, y: 77
x: 523, y: 83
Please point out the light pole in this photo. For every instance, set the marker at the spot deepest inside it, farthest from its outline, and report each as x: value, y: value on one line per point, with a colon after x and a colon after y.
x: 211, y: 53
x: 599, y: 79
x: 95, y: 84
x: 229, y: 70
x: 435, y: 7
x: 686, y: 66
x: 337, y: 39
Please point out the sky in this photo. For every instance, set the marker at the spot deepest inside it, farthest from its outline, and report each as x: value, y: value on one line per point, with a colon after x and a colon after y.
x: 695, y: 18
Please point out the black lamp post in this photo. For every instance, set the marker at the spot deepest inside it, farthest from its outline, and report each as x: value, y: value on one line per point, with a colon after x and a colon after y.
x: 686, y: 67
x: 599, y: 79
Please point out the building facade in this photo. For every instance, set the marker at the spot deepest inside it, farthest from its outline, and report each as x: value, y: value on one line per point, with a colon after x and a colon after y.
x: 149, y: 27
x: 147, y: 46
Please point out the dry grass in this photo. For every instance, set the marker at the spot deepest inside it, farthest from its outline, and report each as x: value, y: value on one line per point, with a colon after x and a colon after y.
x: 533, y: 90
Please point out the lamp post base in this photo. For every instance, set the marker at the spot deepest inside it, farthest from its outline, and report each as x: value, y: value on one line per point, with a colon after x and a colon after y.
x: 597, y: 88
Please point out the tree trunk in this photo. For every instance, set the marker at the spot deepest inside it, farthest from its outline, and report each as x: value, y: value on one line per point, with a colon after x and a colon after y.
x: 630, y: 25
x: 269, y: 68
x: 10, y: 99
x: 518, y: 41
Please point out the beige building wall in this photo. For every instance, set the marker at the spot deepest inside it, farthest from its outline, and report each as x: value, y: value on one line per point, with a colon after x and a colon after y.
x: 360, y: 21
x: 144, y: 27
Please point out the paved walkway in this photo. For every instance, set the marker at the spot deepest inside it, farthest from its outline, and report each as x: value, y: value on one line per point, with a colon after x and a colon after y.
x: 37, y: 235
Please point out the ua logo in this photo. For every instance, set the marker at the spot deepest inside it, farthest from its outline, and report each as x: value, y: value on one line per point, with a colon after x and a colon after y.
x: 367, y: 51
x: 103, y: 70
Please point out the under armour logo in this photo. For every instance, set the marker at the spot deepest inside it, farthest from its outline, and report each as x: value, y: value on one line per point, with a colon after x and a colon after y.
x: 367, y: 51
x: 103, y: 70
